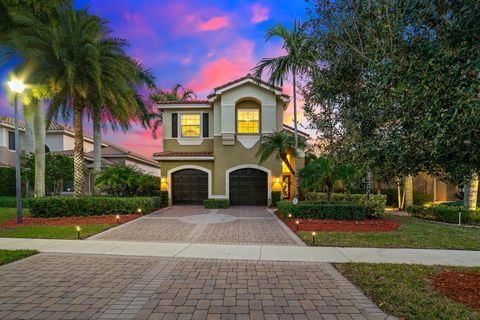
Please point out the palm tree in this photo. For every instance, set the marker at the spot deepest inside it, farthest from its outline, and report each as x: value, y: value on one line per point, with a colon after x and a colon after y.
x: 10, y: 27
x: 281, y: 144
x: 69, y: 56
x: 176, y: 93
x: 117, y: 102
x: 300, y: 56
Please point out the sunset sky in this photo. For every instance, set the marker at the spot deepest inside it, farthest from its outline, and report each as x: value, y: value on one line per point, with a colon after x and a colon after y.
x: 200, y: 44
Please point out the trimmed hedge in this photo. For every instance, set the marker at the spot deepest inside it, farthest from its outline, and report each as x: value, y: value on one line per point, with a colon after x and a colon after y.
x: 276, y: 197
x: 318, y: 210
x: 445, y: 213
x: 216, y: 203
x: 11, y: 202
x: 49, y: 207
x: 375, y: 204
x: 7, y: 176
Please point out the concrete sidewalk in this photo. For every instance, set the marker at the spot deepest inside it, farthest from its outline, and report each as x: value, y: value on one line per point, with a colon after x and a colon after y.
x: 248, y: 252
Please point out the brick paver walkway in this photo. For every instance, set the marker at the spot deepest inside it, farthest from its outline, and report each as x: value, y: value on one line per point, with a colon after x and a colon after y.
x: 73, y: 286
x: 195, y: 224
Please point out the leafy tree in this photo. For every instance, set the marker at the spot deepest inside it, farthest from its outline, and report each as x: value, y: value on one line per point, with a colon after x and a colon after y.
x: 176, y: 93
x: 299, y: 57
x: 126, y: 181
x: 281, y: 144
x: 387, y: 91
x: 59, y: 168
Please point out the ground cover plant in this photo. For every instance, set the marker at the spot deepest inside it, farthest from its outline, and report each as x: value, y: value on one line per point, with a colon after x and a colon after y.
x: 407, y: 291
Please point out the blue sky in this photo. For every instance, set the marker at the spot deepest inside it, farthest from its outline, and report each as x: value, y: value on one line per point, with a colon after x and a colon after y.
x: 200, y: 44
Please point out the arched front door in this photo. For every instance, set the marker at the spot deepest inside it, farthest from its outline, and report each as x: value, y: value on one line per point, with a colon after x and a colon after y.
x: 248, y: 187
x: 189, y: 186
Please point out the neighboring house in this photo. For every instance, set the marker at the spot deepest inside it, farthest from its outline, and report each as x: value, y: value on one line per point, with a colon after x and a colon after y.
x: 60, y: 139
x: 210, y: 145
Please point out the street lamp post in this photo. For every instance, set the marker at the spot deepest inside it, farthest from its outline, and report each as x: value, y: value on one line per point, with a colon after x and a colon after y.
x: 17, y: 88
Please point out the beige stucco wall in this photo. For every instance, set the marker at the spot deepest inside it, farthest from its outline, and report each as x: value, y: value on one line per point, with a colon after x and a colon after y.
x: 174, y: 145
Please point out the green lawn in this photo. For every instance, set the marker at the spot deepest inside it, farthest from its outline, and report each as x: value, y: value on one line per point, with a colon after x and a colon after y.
x: 46, y: 232
x: 11, y: 213
x: 7, y: 256
x: 405, y: 291
x: 413, y: 233
x: 53, y: 232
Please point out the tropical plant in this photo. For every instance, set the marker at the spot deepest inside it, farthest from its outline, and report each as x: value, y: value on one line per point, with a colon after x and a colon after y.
x: 117, y: 102
x: 176, y: 93
x: 59, y: 169
x: 280, y: 143
x: 123, y: 180
x: 299, y: 57
x: 321, y: 174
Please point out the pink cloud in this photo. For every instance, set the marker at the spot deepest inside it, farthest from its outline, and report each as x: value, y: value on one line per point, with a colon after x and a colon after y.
x: 259, y: 13
x: 236, y: 62
x: 214, y: 23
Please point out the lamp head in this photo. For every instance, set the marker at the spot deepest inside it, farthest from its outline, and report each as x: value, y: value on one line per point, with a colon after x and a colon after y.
x: 16, y: 86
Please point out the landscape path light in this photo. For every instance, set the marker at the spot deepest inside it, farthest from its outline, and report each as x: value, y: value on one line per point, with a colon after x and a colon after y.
x: 117, y: 217
x: 78, y: 232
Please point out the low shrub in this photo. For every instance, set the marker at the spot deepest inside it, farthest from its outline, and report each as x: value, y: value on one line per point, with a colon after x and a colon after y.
x: 445, y: 213
x: 11, y: 202
x: 7, y: 176
x: 49, y: 207
x: 276, y: 197
x: 216, y: 203
x: 375, y: 203
x: 319, y: 210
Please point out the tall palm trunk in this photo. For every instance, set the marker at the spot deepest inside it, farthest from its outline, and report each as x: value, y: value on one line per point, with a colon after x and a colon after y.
x: 408, y: 191
x: 40, y: 129
x: 29, y: 142
x: 78, y: 177
x: 29, y: 136
x: 472, y: 192
x: 297, y: 184
x: 466, y: 194
x: 97, y: 146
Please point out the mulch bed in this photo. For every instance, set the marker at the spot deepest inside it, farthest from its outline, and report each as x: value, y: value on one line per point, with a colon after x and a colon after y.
x: 370, y: 225
x: 110, y: 219
x: 463, y: 287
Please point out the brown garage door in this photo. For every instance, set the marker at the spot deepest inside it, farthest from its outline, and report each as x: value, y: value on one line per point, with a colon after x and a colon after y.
x: 189, y: 187
x: 248, y: 187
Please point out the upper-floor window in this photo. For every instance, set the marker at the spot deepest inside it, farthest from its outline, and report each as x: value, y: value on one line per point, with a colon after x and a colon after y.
x: 190, y: 124
x: 11, y: 140
x: 248, y: 121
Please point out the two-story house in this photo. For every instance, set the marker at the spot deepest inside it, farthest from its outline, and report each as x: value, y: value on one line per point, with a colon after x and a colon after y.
x: 210, y: 146
x: 59, y: 139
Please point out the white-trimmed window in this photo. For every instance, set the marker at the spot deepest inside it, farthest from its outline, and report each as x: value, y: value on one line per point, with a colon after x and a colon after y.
x: 190, y: 125
x: 248, y: 121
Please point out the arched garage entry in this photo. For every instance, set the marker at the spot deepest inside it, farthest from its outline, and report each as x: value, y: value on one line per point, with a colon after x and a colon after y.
x: 248, y: 187
x: 189, y: 187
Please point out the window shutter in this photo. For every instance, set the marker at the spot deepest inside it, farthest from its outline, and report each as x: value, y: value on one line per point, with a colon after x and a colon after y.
x: 174, y: 125
x: 205, y: 125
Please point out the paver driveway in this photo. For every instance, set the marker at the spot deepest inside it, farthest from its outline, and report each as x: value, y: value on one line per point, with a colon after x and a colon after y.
x: 195, y: 224
x: 75, y: 286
